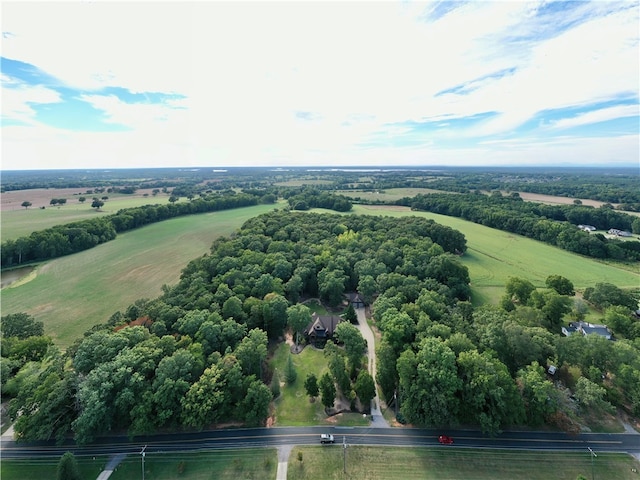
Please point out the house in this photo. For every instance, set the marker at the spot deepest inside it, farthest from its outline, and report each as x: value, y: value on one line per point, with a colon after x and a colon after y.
x: 356, y: 300
x: 321, y: 329
x: 587, y: 228
x: 587, y: 329
x: 619, y: 233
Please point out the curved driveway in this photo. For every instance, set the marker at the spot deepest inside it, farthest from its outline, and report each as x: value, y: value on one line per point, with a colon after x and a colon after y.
x: 378, y: 420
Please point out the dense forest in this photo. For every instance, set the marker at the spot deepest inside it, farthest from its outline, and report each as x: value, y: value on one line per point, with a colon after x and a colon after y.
x: 196, y: 355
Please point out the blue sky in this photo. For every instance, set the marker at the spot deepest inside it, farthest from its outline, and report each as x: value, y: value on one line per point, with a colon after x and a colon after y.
x: 121, y: 84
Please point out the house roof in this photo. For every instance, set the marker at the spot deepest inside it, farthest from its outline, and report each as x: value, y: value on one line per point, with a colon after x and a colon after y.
x: 322, y: 325
x: 588, y: 329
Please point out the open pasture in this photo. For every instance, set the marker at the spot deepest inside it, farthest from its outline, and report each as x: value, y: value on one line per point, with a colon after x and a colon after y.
x: 17, y: 221
x: 73, y: 293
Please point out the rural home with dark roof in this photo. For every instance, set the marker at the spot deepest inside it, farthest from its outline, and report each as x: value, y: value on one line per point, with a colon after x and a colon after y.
x: 321, y: 329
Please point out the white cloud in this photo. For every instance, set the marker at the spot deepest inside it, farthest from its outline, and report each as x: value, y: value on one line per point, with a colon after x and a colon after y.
x: 17, y: 99
x: 601, y: 115
x: 246, y: 68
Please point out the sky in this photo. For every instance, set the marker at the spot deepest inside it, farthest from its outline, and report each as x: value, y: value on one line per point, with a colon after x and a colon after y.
x: 104, y: 84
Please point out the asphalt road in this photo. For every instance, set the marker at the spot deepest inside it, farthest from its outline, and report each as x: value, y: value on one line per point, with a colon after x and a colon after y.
x: 278, y: 436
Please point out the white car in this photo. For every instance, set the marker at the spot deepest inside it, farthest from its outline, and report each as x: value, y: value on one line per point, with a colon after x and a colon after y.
x: 326, y: 438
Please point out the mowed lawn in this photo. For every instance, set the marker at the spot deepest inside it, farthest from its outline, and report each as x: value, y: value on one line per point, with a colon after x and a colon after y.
x: 73, y: 293
x: 493, y: 256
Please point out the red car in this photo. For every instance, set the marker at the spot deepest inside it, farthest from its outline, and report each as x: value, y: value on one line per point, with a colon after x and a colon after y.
x: 445, y: 440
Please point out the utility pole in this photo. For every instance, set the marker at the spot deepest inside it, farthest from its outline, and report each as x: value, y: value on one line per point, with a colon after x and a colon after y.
x: 593, y: 455
x: 344, y: 449
x: 142, y: 457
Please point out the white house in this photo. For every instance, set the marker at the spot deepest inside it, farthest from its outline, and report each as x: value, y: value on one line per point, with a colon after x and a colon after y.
x: 586, y: 328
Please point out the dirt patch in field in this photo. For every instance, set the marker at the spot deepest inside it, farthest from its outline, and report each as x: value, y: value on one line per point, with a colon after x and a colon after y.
x: 554, y: 200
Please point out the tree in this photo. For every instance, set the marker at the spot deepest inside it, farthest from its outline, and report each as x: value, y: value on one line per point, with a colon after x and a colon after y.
x: 311, y: 385
x: 488, y: 393
x: 365, y: 388
x: 202, y: 405
x: 290, y: 374
x: 538, y: 393
x: 350, y: 315
x: 255, y: 403
x: 519, y: 290
x: 338, y: 369
x: 97, y: 204
x: 327, y: 390
x: 82, y: 199
x: 275, y: 384
x: 354, y: 343
x: 429, y: 383
x: 604, y: 295
x: 252, y: 351
x: 26, y: 204
x: 21, y: 325
x: 560, y: 284
x: 68, y: 468
x: 331, y: 286
x: 592, y: 396
x: 53, y: 201
x: 298, y: 317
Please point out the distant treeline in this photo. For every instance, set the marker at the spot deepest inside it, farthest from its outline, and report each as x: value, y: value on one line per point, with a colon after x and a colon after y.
x: 78, y: 236
x: 620, y: 187
x: 307, y: 197
x: 552, y: 224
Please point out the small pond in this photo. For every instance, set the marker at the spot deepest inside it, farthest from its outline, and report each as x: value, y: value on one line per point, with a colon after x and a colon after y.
x: 9, y: 276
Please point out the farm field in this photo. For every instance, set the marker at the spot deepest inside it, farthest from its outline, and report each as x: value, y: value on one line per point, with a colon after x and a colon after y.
x: 73, y: 293
x: 453, y: 463
x: 493, y: 256
x: 17, y: 221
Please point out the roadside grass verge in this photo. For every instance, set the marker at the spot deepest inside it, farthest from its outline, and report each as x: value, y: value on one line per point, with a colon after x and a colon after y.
x: 255, y: 463
x: 327, y: 462
x: 73, y: 293
x: 46, y: 468
x: 259, y: 464
x: 493, y: 256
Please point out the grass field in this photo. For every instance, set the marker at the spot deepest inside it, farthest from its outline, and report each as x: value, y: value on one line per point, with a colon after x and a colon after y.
x: 327, y: 462
x: 16, y: 223
x: 73, y: 293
